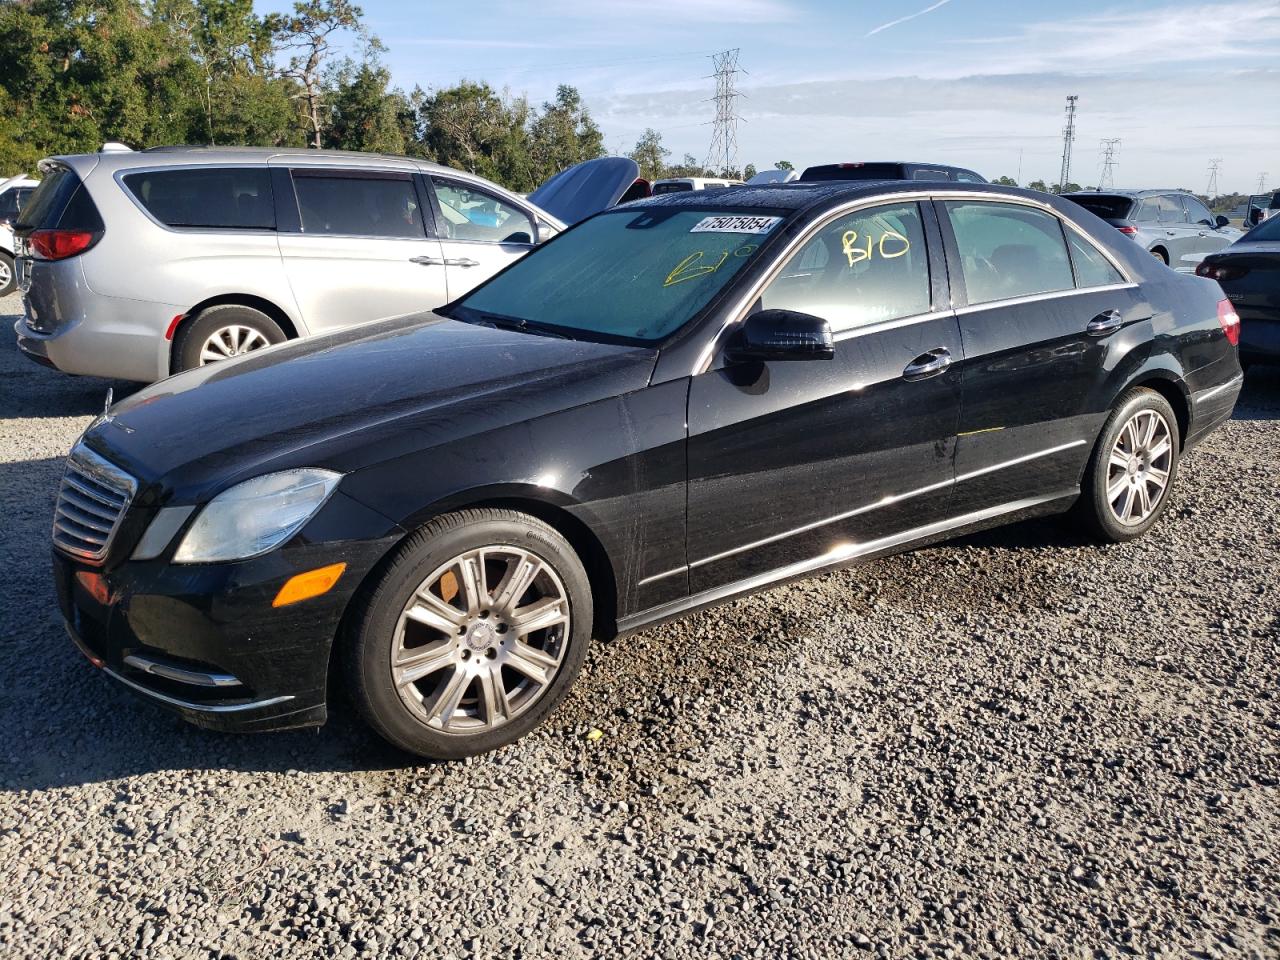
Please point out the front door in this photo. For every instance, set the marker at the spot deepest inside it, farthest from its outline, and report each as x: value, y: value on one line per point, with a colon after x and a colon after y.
x: 360, y: 250
x: 480, y: 233
x: 793, y: 461
x: 1038, y: 306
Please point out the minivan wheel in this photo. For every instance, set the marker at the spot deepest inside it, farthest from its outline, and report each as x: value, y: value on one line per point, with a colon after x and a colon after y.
x: 1132, y: 469
x: 471, y: 636
x: 221, y: 332
x: 8, y: 276
x: 1160, y: 255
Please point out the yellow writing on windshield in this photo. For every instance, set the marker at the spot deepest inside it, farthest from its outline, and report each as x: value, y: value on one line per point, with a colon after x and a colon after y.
x: 692, y: 267
x: 891, y: 246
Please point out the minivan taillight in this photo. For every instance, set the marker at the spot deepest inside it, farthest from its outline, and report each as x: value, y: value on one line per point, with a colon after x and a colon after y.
x: 60, y: 244
x: 1230, y: 321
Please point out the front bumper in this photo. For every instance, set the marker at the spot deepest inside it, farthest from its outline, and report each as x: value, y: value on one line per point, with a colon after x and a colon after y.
x: 205, y: 641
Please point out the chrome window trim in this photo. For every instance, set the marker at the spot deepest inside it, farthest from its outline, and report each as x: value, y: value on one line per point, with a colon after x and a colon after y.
x: 737, y: 313
x: 1037, y: 297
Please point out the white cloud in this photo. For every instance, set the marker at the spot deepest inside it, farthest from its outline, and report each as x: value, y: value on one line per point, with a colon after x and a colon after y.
x: 910, y: 16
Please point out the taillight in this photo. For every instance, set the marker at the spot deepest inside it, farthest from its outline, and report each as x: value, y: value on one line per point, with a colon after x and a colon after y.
x: 1220, y: 271
x: 1230, y: 321
x: 1128, y: 231
x: 60, y: 244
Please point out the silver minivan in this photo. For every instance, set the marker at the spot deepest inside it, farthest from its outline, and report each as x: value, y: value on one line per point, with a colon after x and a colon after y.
x: 135, y: 265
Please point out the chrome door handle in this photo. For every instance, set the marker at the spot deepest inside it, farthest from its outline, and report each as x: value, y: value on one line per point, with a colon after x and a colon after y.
x: 928, y: 364
x: 428, y: 261
x: 1108, y: 321
x: 462, y: 262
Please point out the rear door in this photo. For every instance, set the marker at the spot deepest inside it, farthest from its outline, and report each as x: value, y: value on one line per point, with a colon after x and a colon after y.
x: 1038, y: 306
x: 791, y: 460
x: 357, y: 247
x: 479, y: 232
x: 1180, y: 239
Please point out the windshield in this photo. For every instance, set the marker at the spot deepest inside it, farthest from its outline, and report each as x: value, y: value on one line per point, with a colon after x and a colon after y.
x: 1268, y: 229
x: 630, y: 276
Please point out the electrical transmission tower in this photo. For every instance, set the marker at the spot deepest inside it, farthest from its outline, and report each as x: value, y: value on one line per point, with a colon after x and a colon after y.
x: 723, y: 155
x: 1109, y: 150
x: 1262, y: 183
x: 1215, y: 166
x: 1068, y: 138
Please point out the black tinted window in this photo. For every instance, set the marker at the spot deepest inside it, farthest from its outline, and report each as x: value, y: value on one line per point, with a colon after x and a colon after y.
x: 1009, y: 250
x: 228, y: 197
x: 49, y: 200
x: 1106, y: 206
x: 14, y: 200
x: 869, y: 266
x: 671, y: 187
x: 358, y: 206
x: 854, y: 171
x: 1092, y: 268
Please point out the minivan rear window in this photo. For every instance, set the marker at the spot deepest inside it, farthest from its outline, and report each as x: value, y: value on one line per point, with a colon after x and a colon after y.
x: 45, y: 207
x: 235, y: 198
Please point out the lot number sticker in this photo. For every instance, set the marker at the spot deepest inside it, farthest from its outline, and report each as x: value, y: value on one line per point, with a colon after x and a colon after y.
x: 736, y: 224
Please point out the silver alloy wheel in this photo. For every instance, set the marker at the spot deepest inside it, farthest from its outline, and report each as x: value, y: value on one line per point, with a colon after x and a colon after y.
x: 231, y: 341
x: 481, y: 640
x: 1138, y: 467
x: 6, y: 275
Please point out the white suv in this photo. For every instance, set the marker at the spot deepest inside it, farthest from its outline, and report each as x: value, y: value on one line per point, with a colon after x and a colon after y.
x: 13, y: 196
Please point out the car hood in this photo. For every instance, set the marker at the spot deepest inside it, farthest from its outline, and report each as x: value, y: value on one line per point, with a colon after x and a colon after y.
x: 586, y: 188
x: 1248, y: 247
x: 351, y: 399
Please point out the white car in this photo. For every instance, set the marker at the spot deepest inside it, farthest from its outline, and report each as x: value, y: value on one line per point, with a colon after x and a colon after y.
x: 683, y: 184
x: 13, y: 194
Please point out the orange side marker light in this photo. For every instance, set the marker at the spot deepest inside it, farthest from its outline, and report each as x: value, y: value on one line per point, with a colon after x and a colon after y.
x: 313, y: 583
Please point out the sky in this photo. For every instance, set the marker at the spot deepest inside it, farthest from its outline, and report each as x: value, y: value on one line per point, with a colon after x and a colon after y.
x: 974, y: 83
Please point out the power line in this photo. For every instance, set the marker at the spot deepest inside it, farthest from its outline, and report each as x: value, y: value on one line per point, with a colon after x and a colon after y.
x: 723, y: 155
x: 1215, y: 166
x: 1068, y: 138
x: 1109, y: 150
x: 1262, y: 182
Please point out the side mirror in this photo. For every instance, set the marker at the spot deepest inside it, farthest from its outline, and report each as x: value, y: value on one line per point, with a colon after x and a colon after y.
x: 782, y: 335
x: 1222, y: 221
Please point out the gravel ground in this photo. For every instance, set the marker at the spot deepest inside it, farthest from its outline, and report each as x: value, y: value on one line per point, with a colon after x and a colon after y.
x: 1012, y: 745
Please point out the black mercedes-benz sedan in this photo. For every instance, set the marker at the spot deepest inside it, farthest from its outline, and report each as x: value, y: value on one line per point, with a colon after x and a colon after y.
x: 1249, y: 271
x: 673, y: 403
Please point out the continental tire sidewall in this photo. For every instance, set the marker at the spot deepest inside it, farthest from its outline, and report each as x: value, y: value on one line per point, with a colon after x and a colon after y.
x: 369, y: 645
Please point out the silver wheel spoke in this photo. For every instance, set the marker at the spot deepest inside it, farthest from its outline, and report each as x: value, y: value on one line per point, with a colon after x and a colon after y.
x: 521, y: 573
x: 451, y: 693
x: 471, y: 570
x: 433, y: 612
x: 1160, y: 449
x: 537, y: 616
x: 1159, y: 477
x: 413, y: 666
x: 1119, y: 459
x: 1117, y: 487
x: 532, y: 662
x: 1143, y: 499
x: 493, y: 695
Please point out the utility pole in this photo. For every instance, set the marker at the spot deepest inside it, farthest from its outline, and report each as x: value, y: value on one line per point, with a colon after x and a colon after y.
x: 1109, y: 150
x: 723, y: 155
x: 1215, y: 166
x: 1068, y: 138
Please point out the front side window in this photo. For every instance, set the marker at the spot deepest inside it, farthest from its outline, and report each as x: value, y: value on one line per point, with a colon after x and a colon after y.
x: 466, y: 213
x: 331, y: 203
x: 1197, y: 212
x: 1092, y: 268
x: 211, y: 197
x: 863, y: 268
x: 1009, y: 250
x: 632, y: 276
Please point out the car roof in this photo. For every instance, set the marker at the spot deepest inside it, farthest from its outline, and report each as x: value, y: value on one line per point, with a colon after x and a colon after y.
x: 1146, y: 192
x: 799, y: 195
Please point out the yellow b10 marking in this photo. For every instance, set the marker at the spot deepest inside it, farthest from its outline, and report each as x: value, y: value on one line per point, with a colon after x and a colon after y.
x: 857, y: 254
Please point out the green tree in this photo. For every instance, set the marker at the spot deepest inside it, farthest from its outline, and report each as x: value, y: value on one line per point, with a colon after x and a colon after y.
x: 471, y: 127
x: 1006, y: 181
x: 650, y: 154
x: 783, y: 165
x: 688, y: 167
x: 1038, y: 185
x: 749, y: 171
x: 365, y: 113
x: 308, y: 35
x: 564, y: 134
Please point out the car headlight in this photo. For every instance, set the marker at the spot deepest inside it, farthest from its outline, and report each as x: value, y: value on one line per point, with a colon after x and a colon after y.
x: 256, y: 516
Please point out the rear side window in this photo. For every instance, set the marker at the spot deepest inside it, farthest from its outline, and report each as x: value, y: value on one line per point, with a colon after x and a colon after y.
x: 1092, y: 268
x: 854, y: 171
x: 662, y: 188
x: 358, y: 206
x: 1008, y: 250
x: 1169, y: 209
x: 13, y: 200
x: 869, y: 266
x: 236, y: 198
x: 49, y: 201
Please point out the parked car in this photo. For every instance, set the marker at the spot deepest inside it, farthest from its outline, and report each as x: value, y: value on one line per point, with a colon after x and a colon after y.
x: 244, y: 248
x: 773, y: 176
x: 13, y: 195
x: 1249, y: 271
x: 1262, y: 206
x: 895, y: 170
x: 1174, y: 227
x: 687, y: 184
x: 671, y: 404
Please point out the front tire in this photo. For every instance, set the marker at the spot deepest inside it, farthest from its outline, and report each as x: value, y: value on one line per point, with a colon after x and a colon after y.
x: 221, y: 332
x: 1132, y: 469
x: 471, y: 636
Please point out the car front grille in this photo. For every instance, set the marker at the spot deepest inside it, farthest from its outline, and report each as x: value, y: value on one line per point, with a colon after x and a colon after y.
x: 91, y: 503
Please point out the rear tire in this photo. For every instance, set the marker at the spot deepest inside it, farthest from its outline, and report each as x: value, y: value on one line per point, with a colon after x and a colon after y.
x: 1131, y: 472
x: 1160, y: 255
x: 221, y: 332
x: 8, y: 275
x: 444, y: 655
